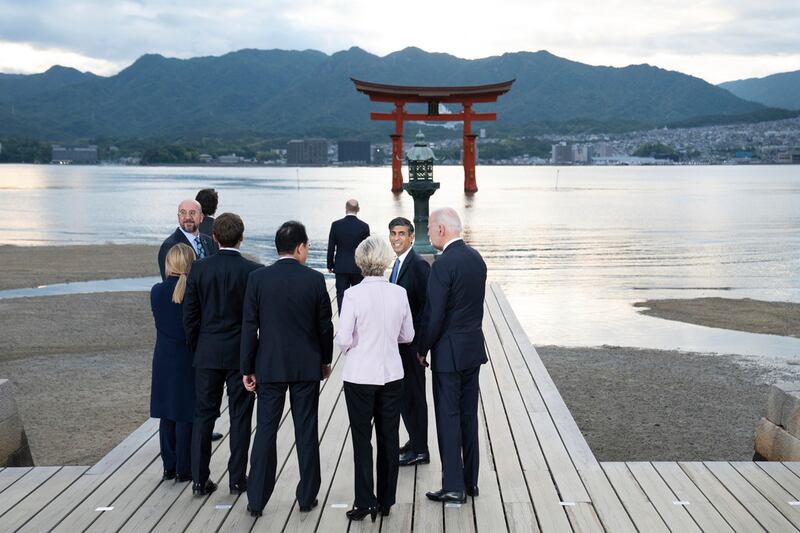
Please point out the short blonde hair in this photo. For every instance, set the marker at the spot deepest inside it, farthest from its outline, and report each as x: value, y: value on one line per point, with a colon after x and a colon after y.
x: 373, y: 256
x: 178, y: 263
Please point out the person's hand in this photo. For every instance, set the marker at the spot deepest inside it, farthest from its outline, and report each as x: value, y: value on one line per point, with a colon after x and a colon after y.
x: 423, y: 360
x: 326, y: 371
x: 249, y: 381
x: 330, y: 270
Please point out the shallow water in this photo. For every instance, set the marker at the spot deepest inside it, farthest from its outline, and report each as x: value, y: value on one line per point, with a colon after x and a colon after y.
x: 572, y: 259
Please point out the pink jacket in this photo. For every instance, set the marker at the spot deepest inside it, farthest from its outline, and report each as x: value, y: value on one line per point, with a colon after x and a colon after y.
x: 375, y: 318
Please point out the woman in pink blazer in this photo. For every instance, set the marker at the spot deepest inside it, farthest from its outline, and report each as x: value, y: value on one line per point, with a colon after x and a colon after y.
x: 375, y: 317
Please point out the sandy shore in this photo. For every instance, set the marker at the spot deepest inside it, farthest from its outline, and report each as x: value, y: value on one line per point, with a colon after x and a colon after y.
x: 755, y: 316
x: 31, y: 266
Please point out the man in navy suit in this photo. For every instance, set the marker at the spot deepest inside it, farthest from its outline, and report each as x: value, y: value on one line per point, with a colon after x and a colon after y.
x: 345, y: 235
x: 190, y: 215
x: 411, y: 271
x: 287, y: 343
x: 452, y: 332
x: 212, y: 319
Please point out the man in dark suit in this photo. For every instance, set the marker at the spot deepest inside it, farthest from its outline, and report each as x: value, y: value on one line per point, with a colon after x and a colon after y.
x: 212, y: 319
x: 287, y: 343
x: 345, y: 235
x: 452, y: 332
x: 208, y: 200
x: 190, y: 215
x: 411, y: 271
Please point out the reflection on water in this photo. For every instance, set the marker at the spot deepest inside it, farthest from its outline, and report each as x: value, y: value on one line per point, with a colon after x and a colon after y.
x: 572, y: 259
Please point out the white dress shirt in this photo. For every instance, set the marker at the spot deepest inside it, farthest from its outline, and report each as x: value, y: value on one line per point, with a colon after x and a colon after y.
x: 375, y: 318
x: 402, y: 258
x: 451, y: 241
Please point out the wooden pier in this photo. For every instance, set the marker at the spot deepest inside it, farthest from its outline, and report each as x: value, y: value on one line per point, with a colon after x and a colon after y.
x: 537, y: 474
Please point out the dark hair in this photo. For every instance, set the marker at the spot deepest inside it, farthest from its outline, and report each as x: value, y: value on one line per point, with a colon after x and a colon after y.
x: 402, y: 221
x: 228, y: 229
x: 289, y: 236
x: 208, y: 199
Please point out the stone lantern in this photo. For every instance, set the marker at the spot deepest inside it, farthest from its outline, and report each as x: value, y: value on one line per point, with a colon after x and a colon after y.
x: 421, y: 187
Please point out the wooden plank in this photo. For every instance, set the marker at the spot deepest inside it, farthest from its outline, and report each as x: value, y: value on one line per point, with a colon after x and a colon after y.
x: 676, y: 517
x: 770, y: 489
x: 734, y: 512
x: 429, y: 515
x: 401, y: 519
x: 636, y: 503
x: 540, y: 492
x: 573, y: 439
x: 125, y: 449
x: 606, y: 504
x: 24, y: 486
x: 489, y: 509
x: 10, y: 475
x: 699, y: 507
x: 339, y: 498
x: 583, y: 517
x: 794, y: 466
x: 166, y: 494
x: 783, y: 475
x: 36, y: 500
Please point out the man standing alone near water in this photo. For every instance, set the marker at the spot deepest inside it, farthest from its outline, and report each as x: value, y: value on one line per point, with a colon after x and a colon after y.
x: 346, y: 234
x: 190, y: 215
x: 454, y: 335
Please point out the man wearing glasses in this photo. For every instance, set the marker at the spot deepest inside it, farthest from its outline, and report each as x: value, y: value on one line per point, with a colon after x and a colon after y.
x: 190, y: 215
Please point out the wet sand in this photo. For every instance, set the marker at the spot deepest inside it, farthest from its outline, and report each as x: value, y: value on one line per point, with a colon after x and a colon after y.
x: 31, y: 266
x: 754, y: 316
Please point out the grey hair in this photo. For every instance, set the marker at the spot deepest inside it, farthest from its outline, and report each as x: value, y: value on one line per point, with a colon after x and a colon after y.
x: 447, y: 217
x: 373, y: 255
x: 351, y: 206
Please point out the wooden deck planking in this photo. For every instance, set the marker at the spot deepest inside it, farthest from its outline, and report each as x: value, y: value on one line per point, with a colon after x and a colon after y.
x: 675, y: 516
x: 41, y: 496
x: 770, y: 489
x: 9, y: 476
x: 783, y: 475
x: 706, y: 516
x: 25, y: 485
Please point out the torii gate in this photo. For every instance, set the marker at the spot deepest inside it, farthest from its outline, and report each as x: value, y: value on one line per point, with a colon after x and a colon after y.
x: 400, y: 95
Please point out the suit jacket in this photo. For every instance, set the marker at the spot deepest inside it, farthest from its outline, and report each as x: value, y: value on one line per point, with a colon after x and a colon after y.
x: 345, y: 235
x: 212, y: 314
x: 206, y: 227
x: 287, y: 333
x: 176, y: 238
x: 453, y: 314
x: 413, y: 277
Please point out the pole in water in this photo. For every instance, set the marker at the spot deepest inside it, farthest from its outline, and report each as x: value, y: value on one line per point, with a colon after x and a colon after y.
x: 297, y: 173
x: 557, y: 172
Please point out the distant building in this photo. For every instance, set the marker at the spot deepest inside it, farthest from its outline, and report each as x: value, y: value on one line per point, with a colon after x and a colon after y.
x: 231, y: 159
x: 74, y: 155
x: 380, y: 153
x: 354, y: 152
x: 205, y: 158
x: 561, y: 153
x: 307, y: 152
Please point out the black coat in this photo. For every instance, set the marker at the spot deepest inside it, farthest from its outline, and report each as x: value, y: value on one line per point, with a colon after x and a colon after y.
x: 413, y: 277
x: 172, y: 385
x: 287, y: 333
x: 206, y: 228
x: 176, y: 238
x: 452, y: 322
x: 212, y: 317
x: 345, y: 235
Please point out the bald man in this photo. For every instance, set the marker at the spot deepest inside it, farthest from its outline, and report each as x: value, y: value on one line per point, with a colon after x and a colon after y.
x: 452, y: 331
x: 190, y: 215
x: 346, y: 234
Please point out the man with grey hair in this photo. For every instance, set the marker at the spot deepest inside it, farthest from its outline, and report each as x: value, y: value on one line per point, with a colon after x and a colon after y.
x: 452, y: 332
x: 346, y: 233
x: 190, y: 215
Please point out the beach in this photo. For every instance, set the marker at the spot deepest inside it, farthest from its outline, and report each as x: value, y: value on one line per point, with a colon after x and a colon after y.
x: 81, y: 364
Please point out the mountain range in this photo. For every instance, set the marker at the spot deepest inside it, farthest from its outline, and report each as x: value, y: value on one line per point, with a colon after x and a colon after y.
x: 280, y: 93
x: 778, y: 90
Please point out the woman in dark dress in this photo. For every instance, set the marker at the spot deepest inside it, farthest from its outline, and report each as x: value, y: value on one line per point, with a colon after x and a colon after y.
x: 172, y: 388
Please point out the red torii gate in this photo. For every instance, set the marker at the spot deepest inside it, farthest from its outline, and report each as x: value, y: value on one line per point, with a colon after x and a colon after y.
x: 400, y: 95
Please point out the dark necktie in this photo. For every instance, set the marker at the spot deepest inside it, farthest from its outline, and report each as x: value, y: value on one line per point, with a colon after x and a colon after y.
x: 199, y: 247
x: 395, y: 269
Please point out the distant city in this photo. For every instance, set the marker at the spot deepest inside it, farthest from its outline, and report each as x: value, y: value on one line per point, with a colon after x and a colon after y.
x: 776, y: 142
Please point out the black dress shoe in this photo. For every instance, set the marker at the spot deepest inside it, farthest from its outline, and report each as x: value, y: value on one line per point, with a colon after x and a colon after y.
x: 473, y: 491
x: 216, y: 436
x: 201, y: 489
x: 168, y: 474
x: 307, y: 508
x: 183, y: 478
x: 405, y: 447
x: 447, y: 497
x: 385, y: 510
x: 358, y: 514
x: 410, y: 458
x: 253, y: 512
x: 238, y: 488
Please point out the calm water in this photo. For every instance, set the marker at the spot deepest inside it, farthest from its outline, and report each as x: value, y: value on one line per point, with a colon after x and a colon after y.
x: 572, y: 259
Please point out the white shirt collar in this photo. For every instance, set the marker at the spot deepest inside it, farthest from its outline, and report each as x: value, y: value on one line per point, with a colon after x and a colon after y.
x: 189, y: 236
x: 451, y: 241
x: 229, y: 249
x: 402, y: 258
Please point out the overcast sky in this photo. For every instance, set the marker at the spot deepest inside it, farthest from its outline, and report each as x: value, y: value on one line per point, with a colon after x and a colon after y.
x: 717, y: 40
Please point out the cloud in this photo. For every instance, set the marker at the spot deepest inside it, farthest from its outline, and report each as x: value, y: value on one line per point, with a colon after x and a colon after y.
x: 616, y: 32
